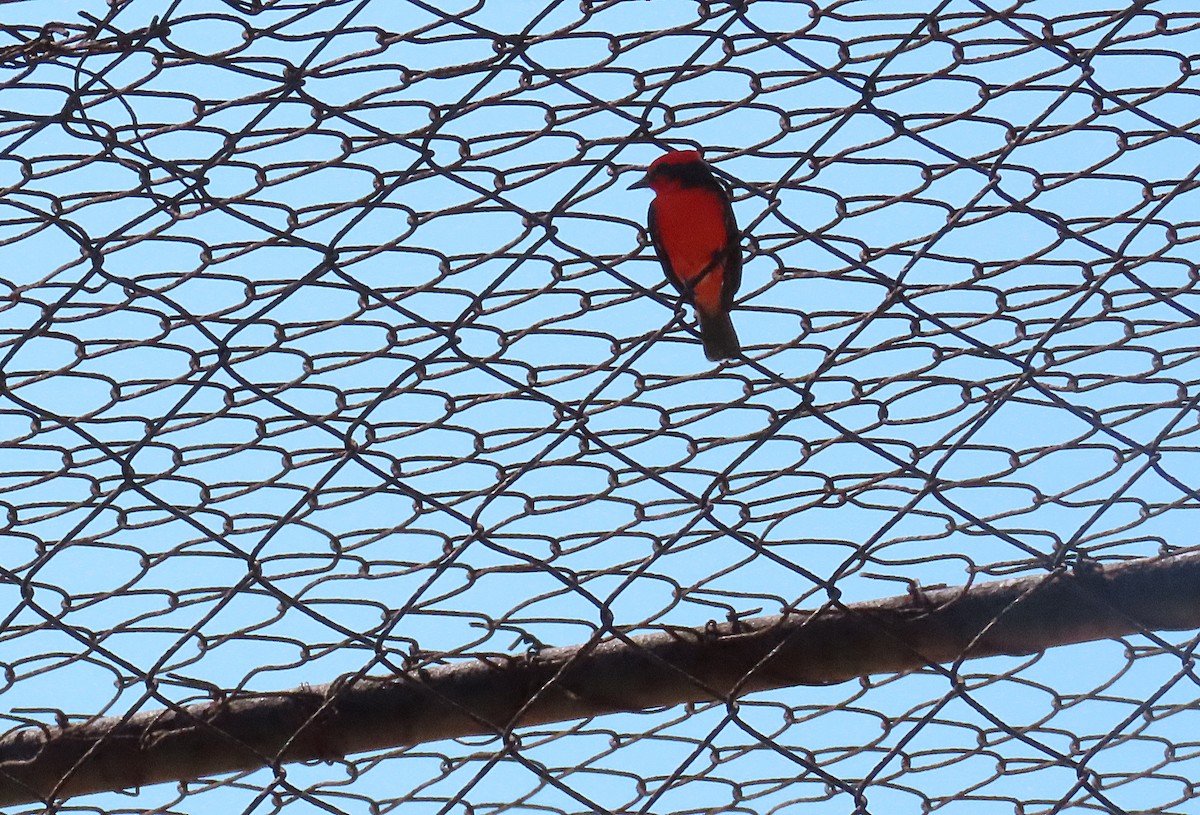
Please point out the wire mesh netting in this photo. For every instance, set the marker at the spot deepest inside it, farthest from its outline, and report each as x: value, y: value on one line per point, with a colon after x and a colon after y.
x: 332, y: 346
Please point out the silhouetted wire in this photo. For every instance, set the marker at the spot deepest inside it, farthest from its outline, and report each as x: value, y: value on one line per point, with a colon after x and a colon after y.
x: 134, y: 150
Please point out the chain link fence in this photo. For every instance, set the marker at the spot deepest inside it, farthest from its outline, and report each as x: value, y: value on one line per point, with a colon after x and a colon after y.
x: 332, y: 350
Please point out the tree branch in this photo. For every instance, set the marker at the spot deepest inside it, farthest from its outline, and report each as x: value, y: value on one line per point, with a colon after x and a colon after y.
x: 619, y: 673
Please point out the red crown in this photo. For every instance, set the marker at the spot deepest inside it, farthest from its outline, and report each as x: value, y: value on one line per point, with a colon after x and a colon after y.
x: 677, y: 157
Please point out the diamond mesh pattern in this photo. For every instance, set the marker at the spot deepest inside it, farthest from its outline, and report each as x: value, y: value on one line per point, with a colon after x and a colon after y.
x: 331, y: 344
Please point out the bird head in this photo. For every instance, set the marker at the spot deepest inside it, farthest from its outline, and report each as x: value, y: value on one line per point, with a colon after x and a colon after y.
x: 678, y: 168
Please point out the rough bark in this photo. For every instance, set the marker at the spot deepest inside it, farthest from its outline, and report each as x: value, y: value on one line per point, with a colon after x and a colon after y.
x: 618, y: 673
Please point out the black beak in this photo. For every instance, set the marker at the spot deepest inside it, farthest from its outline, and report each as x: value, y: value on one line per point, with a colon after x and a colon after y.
x: 641, y: 183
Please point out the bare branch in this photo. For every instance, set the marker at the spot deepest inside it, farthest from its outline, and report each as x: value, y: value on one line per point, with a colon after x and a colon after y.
x: 620, y: 673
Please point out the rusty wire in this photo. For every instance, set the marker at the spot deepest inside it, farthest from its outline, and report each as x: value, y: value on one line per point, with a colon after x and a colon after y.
x: 331, y: 346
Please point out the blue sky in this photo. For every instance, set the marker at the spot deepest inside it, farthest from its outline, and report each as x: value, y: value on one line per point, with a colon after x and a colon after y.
x: 968, y: 309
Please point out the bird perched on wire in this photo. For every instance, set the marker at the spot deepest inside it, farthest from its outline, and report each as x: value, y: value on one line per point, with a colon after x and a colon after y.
x: 696, y: 238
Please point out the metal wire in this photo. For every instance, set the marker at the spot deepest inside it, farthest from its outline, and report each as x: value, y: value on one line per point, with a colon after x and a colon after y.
x: 331, y: 346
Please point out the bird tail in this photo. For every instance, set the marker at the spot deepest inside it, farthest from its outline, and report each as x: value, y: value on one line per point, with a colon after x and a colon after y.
x: 720, y: 340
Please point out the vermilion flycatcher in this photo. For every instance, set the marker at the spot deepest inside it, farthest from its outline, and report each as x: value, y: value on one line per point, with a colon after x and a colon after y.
x: 696, y: 238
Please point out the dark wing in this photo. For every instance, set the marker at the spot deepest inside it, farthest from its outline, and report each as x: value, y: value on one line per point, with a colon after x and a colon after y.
x: 733, y: 253
x: 663, y: 258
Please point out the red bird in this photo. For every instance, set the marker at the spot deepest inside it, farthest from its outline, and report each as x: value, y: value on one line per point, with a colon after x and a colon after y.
x: 696, y: 238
